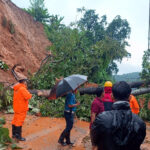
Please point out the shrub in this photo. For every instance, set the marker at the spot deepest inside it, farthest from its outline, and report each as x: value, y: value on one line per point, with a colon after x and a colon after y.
x: 3, y: 65
x: 11, y: 27
x: 55, y: 108
x: 4, y: 21
x: 144, y: 111
x: 5, y: 141
x: 5, y: 97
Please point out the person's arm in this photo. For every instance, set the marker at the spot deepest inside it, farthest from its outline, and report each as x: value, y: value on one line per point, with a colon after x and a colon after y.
x: 71, y: 100
x: 73, y: 105
x: 136, y: 106
x: 94, y: 111
x: 93, y: 115
x: 97, y: 129
x: 26, y: 94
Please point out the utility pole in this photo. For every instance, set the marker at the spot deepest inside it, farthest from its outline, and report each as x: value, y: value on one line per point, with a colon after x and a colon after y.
x: 149, y: 28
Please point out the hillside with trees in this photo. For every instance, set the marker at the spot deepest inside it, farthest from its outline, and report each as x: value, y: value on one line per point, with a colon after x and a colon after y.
x: 129, y: 77
x: 47, y: 49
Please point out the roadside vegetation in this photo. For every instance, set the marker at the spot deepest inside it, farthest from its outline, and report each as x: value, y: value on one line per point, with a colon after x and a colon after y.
x: 90, y: 46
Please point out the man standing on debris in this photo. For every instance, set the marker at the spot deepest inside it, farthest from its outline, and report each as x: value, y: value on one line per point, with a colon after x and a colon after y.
x: 118, y: 129
x: 69, y: 112
x: 20, y: 106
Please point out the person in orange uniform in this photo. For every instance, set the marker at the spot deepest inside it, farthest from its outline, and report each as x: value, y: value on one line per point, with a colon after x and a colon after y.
x: 134, y: 105
x: 20, y: 107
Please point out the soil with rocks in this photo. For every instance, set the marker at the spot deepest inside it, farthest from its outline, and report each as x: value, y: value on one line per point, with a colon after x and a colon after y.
x: 42, y: 133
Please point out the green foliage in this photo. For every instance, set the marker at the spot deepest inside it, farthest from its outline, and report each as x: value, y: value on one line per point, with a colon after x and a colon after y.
x: 145, y: 111
x: 38, y: 11
x: 146, y: 65
x: 11, y: 27
x: 3, y: 65
x: 4, y: 135
x: 84, y: 109
x: 89, y: 46
x: 5, y: 141
x: 5, y: 97
x: 2, y: 121
x: 55, y: 108
x: 4, y: 21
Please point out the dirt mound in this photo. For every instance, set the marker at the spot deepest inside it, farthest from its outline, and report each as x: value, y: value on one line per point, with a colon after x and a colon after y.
x: 22, y: 40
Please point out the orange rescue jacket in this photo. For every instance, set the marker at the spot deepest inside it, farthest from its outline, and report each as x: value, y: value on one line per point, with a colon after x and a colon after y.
x: 134, y: 105
x: 20, y: 98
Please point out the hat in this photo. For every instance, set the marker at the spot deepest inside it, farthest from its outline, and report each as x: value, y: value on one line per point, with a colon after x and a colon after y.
x: 21, y: 76
x: 108, y: 84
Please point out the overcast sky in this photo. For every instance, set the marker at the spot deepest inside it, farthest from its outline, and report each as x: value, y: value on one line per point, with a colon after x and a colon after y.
x: 135, y: 11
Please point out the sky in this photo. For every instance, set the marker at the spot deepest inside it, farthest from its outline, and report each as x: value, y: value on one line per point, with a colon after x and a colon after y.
x: 136, y: 12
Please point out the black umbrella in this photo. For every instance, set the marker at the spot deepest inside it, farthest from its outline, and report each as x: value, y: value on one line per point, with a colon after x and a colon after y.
x: 70, y: 83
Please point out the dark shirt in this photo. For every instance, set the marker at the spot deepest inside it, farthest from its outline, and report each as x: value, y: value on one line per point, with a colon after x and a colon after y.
x: 97, y: 107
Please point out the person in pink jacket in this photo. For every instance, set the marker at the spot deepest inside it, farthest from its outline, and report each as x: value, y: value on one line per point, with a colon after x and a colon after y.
x: 107, y: 99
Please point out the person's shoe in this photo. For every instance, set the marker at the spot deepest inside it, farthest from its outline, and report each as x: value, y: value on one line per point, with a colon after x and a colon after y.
x: 13, y: 131
x: 70, y: 143
x: 62, y: 143
x: 20, y: 138
x: 18, y: 134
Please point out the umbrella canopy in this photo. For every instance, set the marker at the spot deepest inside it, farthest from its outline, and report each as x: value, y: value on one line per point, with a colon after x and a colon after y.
x: 69, y: 83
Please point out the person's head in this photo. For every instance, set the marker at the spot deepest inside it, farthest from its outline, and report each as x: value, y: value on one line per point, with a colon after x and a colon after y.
x: 75, y: 91
x: 99, y: 92
x: 108, y: 84
x: 24, y: 81
x: 121, y: 91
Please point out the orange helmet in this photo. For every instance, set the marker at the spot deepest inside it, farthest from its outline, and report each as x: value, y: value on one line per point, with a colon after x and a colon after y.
x: 108, y: 84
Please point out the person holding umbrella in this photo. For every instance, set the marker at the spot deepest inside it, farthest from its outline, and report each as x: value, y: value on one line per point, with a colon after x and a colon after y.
x: 69, y: 112
x: 69, y: 85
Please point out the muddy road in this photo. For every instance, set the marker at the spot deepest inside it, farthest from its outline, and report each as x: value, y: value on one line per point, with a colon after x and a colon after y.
x: 42, y: 133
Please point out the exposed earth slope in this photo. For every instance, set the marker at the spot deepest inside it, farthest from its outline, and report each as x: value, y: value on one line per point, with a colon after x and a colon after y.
x: 22, y: 40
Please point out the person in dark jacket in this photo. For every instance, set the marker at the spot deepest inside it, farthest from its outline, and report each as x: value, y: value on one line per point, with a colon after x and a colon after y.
x: 118, y: 129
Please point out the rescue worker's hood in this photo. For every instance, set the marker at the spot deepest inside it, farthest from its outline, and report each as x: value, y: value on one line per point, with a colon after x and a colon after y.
x: 122, y: 125
x: 108, y: 90
x: 19, y: 85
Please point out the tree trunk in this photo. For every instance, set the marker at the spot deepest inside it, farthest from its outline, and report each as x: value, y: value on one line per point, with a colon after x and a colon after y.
x: 141, y: 91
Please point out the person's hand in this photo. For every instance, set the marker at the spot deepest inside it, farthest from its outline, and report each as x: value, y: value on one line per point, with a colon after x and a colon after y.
x: 39, y: 93
x: 77, y: 103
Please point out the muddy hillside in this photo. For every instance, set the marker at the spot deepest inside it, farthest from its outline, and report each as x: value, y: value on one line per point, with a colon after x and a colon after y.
x: 22, y: 41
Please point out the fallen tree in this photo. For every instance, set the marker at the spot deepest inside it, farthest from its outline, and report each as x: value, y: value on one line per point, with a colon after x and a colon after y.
x: 89, y: 90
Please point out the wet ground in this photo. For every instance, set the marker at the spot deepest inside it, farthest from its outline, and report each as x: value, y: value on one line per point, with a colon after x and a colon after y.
x: 42, y: 133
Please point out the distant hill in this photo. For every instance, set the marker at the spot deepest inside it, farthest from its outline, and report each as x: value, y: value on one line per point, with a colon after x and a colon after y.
x: 129, y: 77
